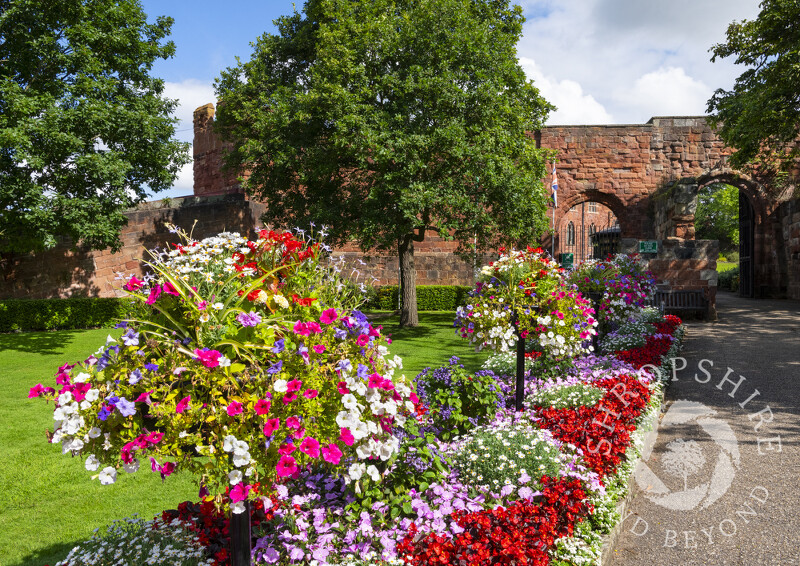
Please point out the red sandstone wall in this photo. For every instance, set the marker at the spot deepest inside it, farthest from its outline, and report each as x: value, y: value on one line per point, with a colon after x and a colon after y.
x: 61, y: 272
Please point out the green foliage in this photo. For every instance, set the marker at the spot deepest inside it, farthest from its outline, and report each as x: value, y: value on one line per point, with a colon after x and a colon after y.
x: 61, y: 314
x: 429, y: 297
x: 384, y: 119
x: 717, y: 215
x: 84, y: 129
x: 457, y: 400
x: 729, y: 279
x: 760, y: 116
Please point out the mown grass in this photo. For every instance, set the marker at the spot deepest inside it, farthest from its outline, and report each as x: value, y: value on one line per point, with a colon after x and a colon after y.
x: 723, y: 266
x: 48, y: 503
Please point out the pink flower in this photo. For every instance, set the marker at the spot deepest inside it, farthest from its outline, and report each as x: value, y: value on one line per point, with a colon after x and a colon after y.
x: 314, y: 327
x: 144, y: 397
x: 154, y: 293
x: 346, y: 436
x: 375, y: 380
x: 286, y: 466
x: 332, y: 454
x: 234, y: 408
x: 183, y: 404
x: 262, y: 407
x: 293, y: 423
x: 328, y: 316
x: 362, y: 340
x: 310, y: 393
x: 294, y: 385
x: 154, y: 437
x: 341, y: 387
x: 209, y: 358
x: 240, y: 492
x: 319, y: 348
x: 310, y: 446
x: 133, y: 284
x: 202, y: 305
x: 271, y: 426
x: 414, y: 398
x: 287, y: 449
x: 36, y: 391
x: 301, y: 329
x: 170, y: 289
x: 62, y: 378
x: 299, y: 433
x: 289, y: 398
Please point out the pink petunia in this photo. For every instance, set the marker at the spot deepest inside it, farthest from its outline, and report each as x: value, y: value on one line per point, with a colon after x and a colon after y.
x: 362, y: 340
x: 289, y: 398
x: 62, y: 378
x: 209, y: 358
x: 319, y: 348
x: 144, y: 397
x: 154, y: 437
x: 262, y: 407
x: 294, y: 385
x: 287, y: 449
x: 154, y: 294
x: 234, y: 408
x: 299, y: 433
x: 293, y: 423
x: 271, y: 426
x: 375, y: 380
x: 341, y: 387
x: 310, y: 393
x: 286, y: 466
x: 332, y: 454
x: 183, y: 404
x: 170, y: 289
x: 310, y: 446
x: 133, y: 284
x: 328, y: 316
x: 346, y: 436
x: 301, y: 328
x: 314, y: 327
x: 35, y: 391
x: 240, y: 492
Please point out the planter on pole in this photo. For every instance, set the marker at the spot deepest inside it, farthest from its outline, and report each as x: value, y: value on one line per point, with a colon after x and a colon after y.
x: 240, y: 537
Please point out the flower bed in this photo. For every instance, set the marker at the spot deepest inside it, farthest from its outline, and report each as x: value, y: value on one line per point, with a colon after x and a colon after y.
x: 339, y: 459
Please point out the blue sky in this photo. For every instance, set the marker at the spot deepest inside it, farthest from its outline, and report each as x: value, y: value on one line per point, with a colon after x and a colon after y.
x: 598, y: 61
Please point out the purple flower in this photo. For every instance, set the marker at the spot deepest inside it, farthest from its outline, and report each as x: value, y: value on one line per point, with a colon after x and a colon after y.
x: 270, y: 555
x: 345, y: 365
x: 135, y: 377
x: 126, y: 408
x: 130, y: 338
x: 151, y: 367
x: 122, y: 324
x: 340, y: 334
x: 276, y: 367
x: 249, y: 319
x: 103, y: 413
x: 278, y: 347
x: 363, y: 371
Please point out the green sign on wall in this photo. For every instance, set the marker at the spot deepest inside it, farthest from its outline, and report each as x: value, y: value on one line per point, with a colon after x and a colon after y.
x: 648, y: 246
x: 567, y: 260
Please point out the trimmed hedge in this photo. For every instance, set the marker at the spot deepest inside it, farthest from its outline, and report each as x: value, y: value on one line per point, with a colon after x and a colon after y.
x: 429, y: 297
x: 61, y: 314
x: 729, y: 279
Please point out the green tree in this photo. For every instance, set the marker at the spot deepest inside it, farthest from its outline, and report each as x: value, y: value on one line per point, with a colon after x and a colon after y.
x: 385, y: 119
x: 760, y: 117
x: 717, y: 215
x: 84, y: 129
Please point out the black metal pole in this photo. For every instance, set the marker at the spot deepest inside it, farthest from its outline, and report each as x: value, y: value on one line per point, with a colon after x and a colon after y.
x: 240, y: 537
x: 596, y: 299
x: 519, y: 393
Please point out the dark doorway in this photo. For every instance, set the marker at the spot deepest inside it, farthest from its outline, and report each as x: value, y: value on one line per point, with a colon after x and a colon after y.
x: 746, y: 236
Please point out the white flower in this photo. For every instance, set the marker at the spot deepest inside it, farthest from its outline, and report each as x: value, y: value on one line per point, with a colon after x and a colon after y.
x: 349, y: 401
x: 355, y: 471
x: 92, y: 463
x: 224, y: 362
x: 235, y: 477
x: 131, y: 468
x: 82, y: 377
x: 110, y: 340
x: 280, y: 385
x: 281, y: 301
x: 218, y: 306
x: 363, y: 451
x: 227, y: 443
x: 94, y: 432
x: 237, y: 508
x: 108, y: 475
x: 65, y: 398
x: 373, y: 473
x: 92, y: 395
x: 205, y: 317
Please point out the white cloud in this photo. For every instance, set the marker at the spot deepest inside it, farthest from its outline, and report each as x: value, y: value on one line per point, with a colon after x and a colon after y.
x: 190, y: 93
x: 573, y: 105
x: 666, y: 92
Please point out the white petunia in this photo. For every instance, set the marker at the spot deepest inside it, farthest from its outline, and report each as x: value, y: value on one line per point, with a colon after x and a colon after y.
x: 92, y: 395
x: 131, y: 467
x: 235, y: 477
x: 82, y: 377
x: 355, y: 471
x: 373, y: 473
x: 92, y: 463
x: 280, y: 385
x: 224, y: 362
x: 237, y: 508
x: 228, y: 443
x: 108, y: 475
x: 94, y: 432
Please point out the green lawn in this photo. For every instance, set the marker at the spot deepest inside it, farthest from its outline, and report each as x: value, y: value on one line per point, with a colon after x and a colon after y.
x: 723, y: 266
x: 48, y: 502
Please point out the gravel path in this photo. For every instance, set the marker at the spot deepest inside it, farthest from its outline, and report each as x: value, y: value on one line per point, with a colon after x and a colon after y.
x: 722, y: 485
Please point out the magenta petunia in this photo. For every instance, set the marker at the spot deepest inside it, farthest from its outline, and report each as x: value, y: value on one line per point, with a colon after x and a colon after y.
x: 154, y: 294
x: 262, y: 407
x: 234, y: 408
x: 240, y: 492
x: 133, y: 284
x: 310, y: 393
x: 183, y: 404
x: 170, y: 289
x: 289, y: 398
x: 294, y: 385
x: 293, y: 423
x: 362, y: 340
x: 286, y: 466
x: 301, y: 328
x: 271, y: 426
x: 332, y: 454
x: 209, y: 358
x: 35, y: 391
x: 310, y: 446
x: 319, y: 348
x: 346, y: 436
x: 328, y: 316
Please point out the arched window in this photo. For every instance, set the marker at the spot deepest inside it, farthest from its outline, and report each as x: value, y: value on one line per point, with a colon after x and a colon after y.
x: 592, y: 228
x: 571, y: 234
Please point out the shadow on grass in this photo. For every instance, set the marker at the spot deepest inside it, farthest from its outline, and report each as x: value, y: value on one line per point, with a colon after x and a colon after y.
x: 429, y: 323
x: 51, y: 343
x: 47, y: 556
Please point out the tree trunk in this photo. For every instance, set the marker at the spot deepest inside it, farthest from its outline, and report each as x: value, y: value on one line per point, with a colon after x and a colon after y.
x: 408, y: 282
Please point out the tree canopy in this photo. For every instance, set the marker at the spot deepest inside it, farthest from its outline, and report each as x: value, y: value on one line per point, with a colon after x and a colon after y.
x: 84, y: 129
x: 385, y: 119
x: 717, y: 215
x: 760, y: 116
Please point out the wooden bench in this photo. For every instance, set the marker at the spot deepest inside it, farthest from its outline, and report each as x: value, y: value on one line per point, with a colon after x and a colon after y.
x: 681, y: 300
